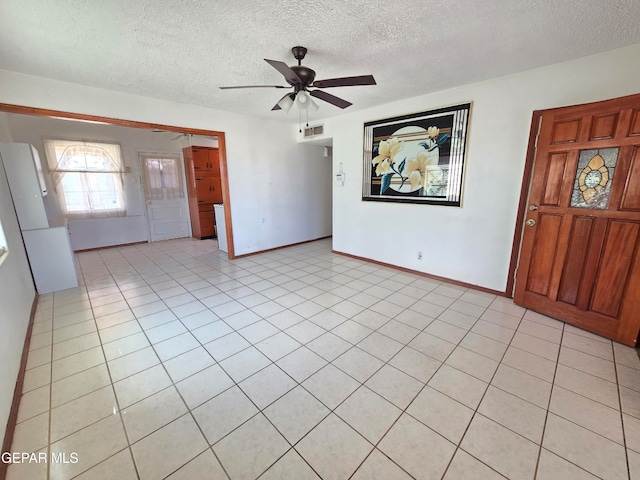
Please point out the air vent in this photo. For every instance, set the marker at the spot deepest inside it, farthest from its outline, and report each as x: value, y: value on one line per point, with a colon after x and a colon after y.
x: 313, y: 131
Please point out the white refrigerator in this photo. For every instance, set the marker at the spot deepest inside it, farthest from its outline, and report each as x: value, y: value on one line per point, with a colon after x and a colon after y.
x: 48, y: 246
x: 221, y: 228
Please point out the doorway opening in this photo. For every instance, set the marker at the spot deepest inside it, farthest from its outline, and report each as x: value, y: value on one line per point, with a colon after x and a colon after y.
x: 19, y: 109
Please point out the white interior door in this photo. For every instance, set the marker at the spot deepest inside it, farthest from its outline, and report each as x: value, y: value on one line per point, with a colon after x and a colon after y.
x: 164, y: 193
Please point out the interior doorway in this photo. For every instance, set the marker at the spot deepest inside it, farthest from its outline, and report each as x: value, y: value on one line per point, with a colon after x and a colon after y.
x: 24, y: 110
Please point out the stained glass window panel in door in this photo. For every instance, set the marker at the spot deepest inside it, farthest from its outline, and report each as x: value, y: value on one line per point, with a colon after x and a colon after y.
x: 594, y: 176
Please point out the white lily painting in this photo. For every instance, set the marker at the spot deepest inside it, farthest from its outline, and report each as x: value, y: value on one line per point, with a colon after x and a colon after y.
x: 411, y: 165
x: 416, y: 158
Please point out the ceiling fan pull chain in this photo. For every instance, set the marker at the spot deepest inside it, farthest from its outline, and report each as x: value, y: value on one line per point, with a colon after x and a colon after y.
x: 300, y: 120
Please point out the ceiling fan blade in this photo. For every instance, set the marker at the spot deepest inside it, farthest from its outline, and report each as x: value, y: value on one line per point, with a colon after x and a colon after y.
x: 289, y: 75
x: 332, y: 99
x: 253, y: 86
x: 345, y: 81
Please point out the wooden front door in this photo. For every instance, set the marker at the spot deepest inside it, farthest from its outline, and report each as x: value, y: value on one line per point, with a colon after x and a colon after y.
x: 580, y: 255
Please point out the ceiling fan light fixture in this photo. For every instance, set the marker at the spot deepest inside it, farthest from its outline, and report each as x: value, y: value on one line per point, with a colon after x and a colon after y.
x: 302, y: 99
x: 313, y: 106
x: 286, y: 103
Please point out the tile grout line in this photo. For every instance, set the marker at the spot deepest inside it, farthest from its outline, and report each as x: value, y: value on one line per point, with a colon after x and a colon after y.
x: 546, y: 416
x: 50, y: 394
x: 189, y: 411
x: 113, y: 391
x: 622, y: 422
x: 475, y: 411
x: 548, y: 411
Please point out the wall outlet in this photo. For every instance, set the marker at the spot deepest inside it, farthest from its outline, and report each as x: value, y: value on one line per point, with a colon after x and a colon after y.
x: 419, y: 255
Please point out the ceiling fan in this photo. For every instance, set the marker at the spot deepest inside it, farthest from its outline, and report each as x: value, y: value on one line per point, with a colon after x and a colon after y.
x: 302, y: 78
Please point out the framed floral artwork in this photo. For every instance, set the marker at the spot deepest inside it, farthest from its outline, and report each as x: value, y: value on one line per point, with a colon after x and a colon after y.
x: 417, y: 158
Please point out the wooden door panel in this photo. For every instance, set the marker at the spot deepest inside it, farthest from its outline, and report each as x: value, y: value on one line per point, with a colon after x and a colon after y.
x: 634, y: 128
x: 604, y: 126
x: 555, y: 177
x: 566, y: 131
x: 631, y: 195
x: 627, y: 331
x: 591, y: 267
x: 619, y: 249
x: 548, y: 232
x: 579, y: 258
x: 575, y: 260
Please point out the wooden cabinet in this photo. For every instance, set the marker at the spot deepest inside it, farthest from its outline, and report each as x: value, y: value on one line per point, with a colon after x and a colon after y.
x: 209, y: 189
x: 206, y: 219
x: 204, y: 188
x: 206, y: 160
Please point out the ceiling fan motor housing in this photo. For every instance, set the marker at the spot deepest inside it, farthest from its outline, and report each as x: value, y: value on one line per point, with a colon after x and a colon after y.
x: 305, y: 74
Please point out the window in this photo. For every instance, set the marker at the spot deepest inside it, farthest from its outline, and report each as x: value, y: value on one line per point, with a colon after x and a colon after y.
x: 162, y: 176
x: 87, y: 177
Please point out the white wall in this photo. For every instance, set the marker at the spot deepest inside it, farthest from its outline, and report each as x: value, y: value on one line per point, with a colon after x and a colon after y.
x: 16, y: 293
x: 473, y: 243
x: 5, y: 128
x: 267, y: 169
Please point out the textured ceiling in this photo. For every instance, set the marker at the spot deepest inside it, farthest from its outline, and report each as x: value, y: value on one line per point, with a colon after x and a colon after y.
x: 183, y: 50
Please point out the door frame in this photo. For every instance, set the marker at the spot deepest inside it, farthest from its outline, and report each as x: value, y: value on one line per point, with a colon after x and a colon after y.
x: 527, y: 176
x: 44, y: 112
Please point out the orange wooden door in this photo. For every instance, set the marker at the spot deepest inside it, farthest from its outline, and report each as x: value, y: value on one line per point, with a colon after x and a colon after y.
x: 580, y: 255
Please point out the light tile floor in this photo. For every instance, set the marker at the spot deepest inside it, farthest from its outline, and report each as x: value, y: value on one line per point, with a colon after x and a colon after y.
x: 171, y: 361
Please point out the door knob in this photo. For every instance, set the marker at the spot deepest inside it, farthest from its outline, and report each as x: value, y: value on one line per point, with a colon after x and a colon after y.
x: 531, y: 222
x: 533, y: 208
x: 148, y: 202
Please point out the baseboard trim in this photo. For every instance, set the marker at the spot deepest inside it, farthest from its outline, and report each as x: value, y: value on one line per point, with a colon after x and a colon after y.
x: 427, y: 275
x: 279, y: 248
x: 111, y: 246
x: 17, y: 393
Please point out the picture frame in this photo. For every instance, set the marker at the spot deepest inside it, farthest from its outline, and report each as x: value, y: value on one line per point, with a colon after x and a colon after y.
x: 416, y: 158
